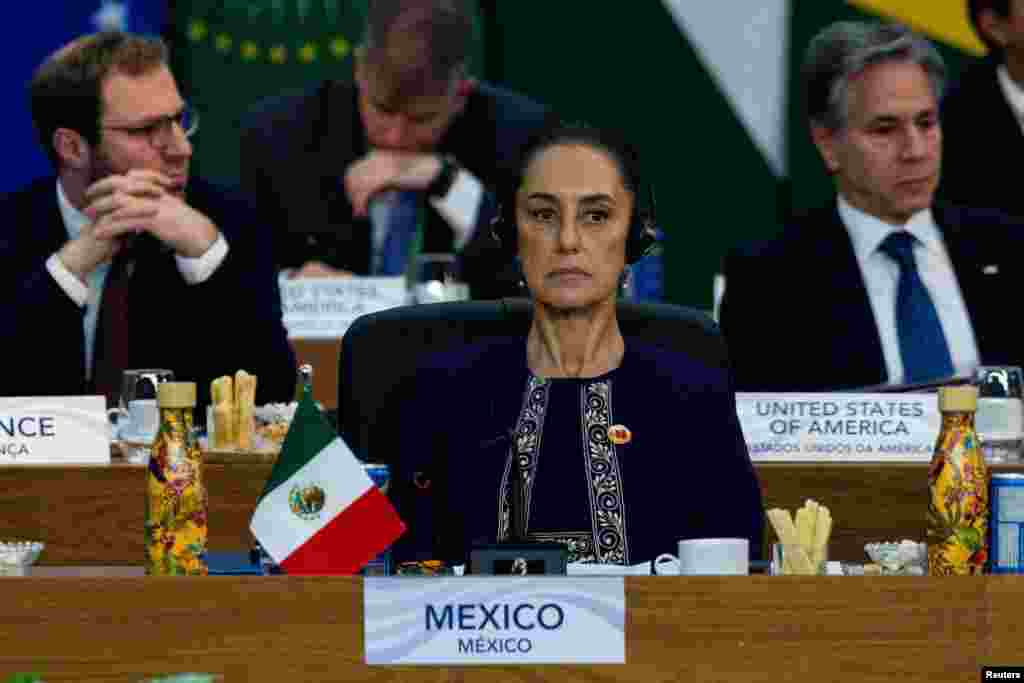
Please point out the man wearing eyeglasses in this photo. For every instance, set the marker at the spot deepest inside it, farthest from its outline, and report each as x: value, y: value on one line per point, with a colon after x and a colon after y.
x: 123, y: 260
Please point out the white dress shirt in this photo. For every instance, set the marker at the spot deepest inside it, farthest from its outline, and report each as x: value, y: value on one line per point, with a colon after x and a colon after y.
x: 193, y: 270
x: 1013, y: 93
x: 458, y: 208
x: 881, y: 277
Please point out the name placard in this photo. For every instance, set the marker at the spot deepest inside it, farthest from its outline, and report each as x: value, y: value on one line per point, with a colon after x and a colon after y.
x: 323, y: 308
x: 839, y: 427
x: 54, y: 430
x: 493, y: 620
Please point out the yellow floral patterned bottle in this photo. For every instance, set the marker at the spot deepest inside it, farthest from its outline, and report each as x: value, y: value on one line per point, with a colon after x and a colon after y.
x: 176, y: 503
x: 957, y: 490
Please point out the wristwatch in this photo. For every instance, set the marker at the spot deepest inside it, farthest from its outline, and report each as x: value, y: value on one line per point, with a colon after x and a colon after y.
x: 444, y: 179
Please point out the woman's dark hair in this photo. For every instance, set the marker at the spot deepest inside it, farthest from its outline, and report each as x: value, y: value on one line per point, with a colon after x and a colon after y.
x: 641, y: 234
x: 610, y: 142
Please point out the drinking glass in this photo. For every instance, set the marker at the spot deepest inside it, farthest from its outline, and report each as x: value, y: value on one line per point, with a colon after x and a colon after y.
x: 137, y: 384
x: 142, y: 383
x: 818, y: 560
x: 999, y: 420
x: 435, y: 278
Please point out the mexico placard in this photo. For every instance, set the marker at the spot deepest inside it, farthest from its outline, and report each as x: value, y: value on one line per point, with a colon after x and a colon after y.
x: 54, y: 430
x: 839, y: 427
x: 323, y: 308
x: 493, y: 620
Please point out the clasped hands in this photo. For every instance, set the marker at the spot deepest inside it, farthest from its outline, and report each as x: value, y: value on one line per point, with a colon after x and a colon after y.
x: 377, y: 171
x: 387, y: 169
x: 135, y: 202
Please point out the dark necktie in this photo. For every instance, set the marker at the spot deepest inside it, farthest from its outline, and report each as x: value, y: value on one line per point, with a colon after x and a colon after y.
x: 400, y: 233
x: 110, y: 355
x: 922, y: 342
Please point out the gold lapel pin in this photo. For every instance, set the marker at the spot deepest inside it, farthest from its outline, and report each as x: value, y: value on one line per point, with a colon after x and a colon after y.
x: 619, y: 434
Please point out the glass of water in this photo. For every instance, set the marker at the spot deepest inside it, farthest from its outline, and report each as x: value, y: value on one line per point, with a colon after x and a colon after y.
x: 435, y: 278
x: 1000, y: 417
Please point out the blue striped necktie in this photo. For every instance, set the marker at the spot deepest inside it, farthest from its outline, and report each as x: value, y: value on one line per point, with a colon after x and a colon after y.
x: 402, y: 215
x: 922, y: 343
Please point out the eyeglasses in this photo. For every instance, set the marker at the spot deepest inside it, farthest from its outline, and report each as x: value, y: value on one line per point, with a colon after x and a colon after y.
x: 160, y: 131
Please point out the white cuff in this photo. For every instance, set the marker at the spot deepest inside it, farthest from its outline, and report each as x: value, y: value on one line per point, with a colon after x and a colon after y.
x: 460, y: 206
x: 197, y: 270
x: 76, y: 290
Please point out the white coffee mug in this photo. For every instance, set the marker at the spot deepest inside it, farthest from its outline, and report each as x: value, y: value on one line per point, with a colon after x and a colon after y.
x: 707, y: 556
x: 140, y: 421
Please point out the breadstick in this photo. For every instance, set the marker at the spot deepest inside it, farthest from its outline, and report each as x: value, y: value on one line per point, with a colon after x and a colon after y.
x: 245, y: 404
x: 224, y: 414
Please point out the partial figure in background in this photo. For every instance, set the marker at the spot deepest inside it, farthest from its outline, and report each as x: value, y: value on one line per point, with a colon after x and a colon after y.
x: 883, y: 285
x: 123, y: 260
x: 358, y: 174
x: 983, y: 115
x: 573, y: 434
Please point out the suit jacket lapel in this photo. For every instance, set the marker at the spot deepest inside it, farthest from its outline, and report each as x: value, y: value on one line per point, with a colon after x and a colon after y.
x: 52, y: 234
x: 966, y: 256
x: 474, y: 146
x: 343, y: 139
x: 1000, y: 121
x: 851, y: 307
x: 339, y: 140
x: 336, y: 140
x: 47, y: 237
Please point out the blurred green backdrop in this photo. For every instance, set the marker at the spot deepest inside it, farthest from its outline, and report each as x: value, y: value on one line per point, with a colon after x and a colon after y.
x: 644, y: 66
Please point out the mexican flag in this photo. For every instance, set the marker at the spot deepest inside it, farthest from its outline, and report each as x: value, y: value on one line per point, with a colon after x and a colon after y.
x: 320, y: 513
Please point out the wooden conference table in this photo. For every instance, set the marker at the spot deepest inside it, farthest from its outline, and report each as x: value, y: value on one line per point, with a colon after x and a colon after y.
x: 707, y: 629
x: 98, y: 622
x: 93, y: 515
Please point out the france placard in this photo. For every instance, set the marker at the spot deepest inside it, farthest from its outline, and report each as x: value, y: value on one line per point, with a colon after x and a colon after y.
x: 54, y: 430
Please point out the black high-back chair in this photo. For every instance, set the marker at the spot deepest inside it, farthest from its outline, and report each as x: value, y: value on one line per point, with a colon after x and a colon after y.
x: 380, y: 353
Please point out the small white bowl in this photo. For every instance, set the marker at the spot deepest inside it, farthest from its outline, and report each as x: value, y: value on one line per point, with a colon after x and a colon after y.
x: 17, y: 556
x: 905, y: 557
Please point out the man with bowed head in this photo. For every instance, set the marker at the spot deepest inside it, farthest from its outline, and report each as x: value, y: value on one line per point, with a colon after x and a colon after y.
x: 123, y: 260
x: 408, y: 120
x: 883, y: 285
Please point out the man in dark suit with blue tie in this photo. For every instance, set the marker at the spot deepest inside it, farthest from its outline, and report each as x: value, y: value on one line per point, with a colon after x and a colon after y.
x: 122, y: 260
x: 408, y: 119
x: 884, y: 285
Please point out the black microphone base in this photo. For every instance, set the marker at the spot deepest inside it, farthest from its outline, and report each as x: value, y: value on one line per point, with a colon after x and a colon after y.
x: 523, y: 559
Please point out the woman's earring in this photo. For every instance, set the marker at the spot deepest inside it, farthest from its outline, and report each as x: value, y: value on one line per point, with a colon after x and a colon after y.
x: 626, y: 283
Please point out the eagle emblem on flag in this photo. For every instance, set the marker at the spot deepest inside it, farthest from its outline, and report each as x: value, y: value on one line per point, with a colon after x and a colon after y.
x: 307, y: 501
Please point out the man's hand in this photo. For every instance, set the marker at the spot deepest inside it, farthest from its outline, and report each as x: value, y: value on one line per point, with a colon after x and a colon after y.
x: 83, y: 254
x: 383, y: 169
x: 142, y: 201
x: 317, y: 269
